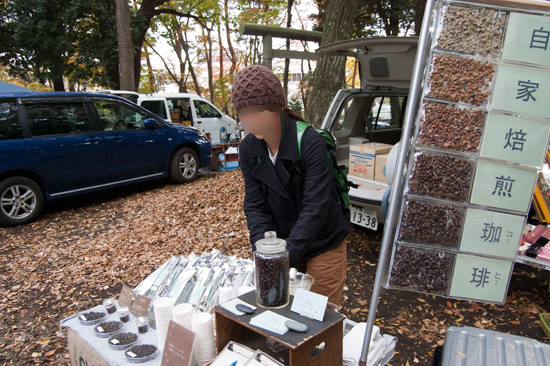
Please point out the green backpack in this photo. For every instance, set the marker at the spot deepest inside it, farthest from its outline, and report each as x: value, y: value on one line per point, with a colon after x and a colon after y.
x: 339, y: 173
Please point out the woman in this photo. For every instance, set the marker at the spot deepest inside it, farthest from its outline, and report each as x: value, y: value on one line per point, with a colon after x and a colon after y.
x: 285, y: 191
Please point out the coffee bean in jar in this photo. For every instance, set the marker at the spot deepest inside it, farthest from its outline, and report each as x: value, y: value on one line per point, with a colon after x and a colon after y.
x: 448, y: 127
x: 441, y: 176
x: 421, y: 270
x: 427, y: 222
x: 272, y: 266
x: 109, y: 305
x: 124, y: 314
x: 142, y: 325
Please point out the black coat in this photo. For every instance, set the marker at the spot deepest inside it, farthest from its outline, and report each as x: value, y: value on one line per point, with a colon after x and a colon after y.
x: 296, y: 198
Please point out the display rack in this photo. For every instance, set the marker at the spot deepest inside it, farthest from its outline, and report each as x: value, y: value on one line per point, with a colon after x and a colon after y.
x: 476, y: 127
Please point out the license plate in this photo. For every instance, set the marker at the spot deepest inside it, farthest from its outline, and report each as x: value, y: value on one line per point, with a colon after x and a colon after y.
x: 364, y: 217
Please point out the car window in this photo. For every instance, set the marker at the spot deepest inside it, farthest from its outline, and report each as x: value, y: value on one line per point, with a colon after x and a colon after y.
x: 180, y: 109
x: 343, y: 114
x: 9, y: 120
x: 387, y: 112
x: 205, y: 109
x: 55, y: 118
x: 118, y: 116
x: 155, y: 106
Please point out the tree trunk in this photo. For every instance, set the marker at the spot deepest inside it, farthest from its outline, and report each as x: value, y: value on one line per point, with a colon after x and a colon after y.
x: 183, y: 79
x: 287, y: 61
x: 191, y: 69
x: 233, y: 67
x: 151, y: 76
x: 209, y: 63
x: 178, y: 46
x: 58, y: 84
x: 329, y: 75
x: 125, y: 47
x: 221, y: 50
x: 419, y: 8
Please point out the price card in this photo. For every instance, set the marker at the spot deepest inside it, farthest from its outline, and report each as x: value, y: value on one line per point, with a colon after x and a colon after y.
x: 523, y: 90
x: 527, y: 39
x: 503, y: 186
x: 178, y: 348
x: 491, y: 233
x: 140, y: 305
x: 519, y: 140
x: 480, y: 278
x: 126, y: 296
x: 309, y: 304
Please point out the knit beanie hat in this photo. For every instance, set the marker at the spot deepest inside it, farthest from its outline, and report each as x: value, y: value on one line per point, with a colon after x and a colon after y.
x: 257, y: 85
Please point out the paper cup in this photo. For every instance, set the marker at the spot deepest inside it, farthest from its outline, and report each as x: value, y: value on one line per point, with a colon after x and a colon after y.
x: 182, y: 314
x: 164, y: 302
x: 183, y: 311
x: 163, y: 314
x: 205, y: 344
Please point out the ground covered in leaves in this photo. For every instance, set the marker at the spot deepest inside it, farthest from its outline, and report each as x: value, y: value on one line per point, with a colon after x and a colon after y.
x: 82, y: 250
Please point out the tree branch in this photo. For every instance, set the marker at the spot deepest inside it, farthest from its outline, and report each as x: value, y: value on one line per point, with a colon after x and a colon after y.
x: 172, y: 75
x: 179, y: 14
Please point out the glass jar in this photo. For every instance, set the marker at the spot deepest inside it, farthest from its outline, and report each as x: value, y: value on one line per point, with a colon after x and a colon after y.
x: 109, y: 305
x: 124, y: 314
x: 272, y: 265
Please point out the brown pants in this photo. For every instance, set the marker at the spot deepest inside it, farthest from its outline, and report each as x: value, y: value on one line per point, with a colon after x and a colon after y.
x: 329, y: 272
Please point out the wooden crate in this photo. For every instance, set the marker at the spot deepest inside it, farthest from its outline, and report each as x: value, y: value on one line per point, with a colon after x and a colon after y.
x: 301, y: 348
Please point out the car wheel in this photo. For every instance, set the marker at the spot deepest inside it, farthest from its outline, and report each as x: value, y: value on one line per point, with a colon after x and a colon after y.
x: 184, y: 166
x: 21, y: 201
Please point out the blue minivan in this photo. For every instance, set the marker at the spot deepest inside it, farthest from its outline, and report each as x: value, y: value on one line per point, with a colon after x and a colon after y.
x: 55, y: 145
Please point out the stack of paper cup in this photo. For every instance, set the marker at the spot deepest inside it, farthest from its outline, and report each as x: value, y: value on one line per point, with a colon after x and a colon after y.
x: 182, y: 314
x: 205, y: 344
x: 163, y: 314
x: 225, y: 294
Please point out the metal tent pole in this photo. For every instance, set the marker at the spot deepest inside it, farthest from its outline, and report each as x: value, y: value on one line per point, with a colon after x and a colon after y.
x: 398, y: 181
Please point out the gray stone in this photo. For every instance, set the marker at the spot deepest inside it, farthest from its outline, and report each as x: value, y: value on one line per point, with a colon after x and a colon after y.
x: 296, y: 326
x: 245, y: 309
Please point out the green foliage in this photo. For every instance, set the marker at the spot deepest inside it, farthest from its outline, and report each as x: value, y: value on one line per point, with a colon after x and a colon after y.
x: 295, y: 104
x: 392, y: 16
x: 384, y: 17
x: 49, y: 40
x: 261, y: 12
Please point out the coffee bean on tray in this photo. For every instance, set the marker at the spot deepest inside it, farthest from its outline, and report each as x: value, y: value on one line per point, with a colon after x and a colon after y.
x: 431, y: 223
x: 92, y: 315
x: 460, y: 79
x: 452, y: 128
x: 142, y: 350
x: 108, y: 327
x: 421, y: 270
x: 472, y: 31
x: 441, y: 176
x: 123, y: 339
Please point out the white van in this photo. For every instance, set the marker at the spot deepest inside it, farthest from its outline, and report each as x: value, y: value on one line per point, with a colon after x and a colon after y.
x: 192, y: 110
x: 373, y: 113
x: 130, y: 95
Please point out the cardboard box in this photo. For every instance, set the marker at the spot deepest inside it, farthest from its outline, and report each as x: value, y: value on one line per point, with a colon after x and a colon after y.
x: 82, y: 353
x: 362, y: 158
x: 380, y: 168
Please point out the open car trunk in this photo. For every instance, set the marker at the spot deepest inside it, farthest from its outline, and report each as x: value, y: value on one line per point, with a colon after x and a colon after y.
x: 373, y: 113
x: 384, y: 62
